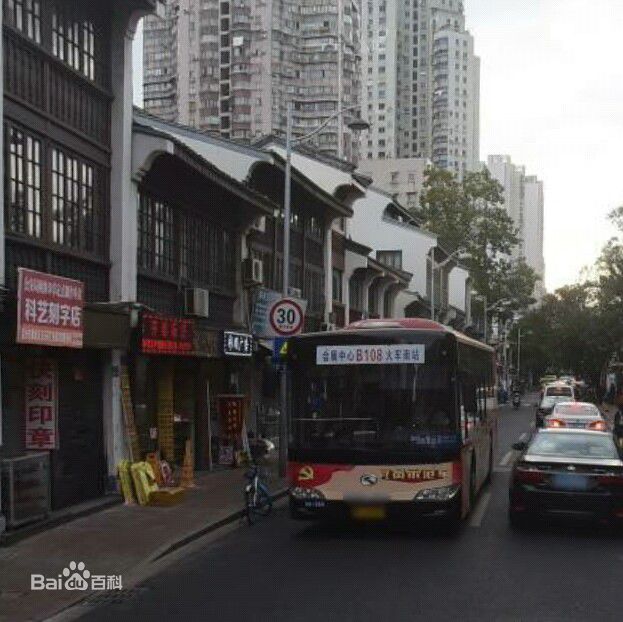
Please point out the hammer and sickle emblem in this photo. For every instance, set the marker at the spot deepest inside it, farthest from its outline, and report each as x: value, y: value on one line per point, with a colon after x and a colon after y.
x: 306, y: 473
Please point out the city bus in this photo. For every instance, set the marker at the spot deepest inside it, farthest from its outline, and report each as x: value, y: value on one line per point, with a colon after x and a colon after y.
x: 390, y: 419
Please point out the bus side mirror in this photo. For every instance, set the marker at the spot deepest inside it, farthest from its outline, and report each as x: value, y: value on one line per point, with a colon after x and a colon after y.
x: 520, y: 446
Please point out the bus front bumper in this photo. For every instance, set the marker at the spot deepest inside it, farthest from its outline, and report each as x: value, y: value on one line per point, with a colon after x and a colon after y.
x: 410, y: 511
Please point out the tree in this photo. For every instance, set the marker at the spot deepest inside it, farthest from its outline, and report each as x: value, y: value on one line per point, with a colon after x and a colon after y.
x: 469, y: 216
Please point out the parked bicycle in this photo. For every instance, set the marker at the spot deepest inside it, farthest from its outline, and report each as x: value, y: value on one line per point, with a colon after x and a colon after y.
x: 258, y: 502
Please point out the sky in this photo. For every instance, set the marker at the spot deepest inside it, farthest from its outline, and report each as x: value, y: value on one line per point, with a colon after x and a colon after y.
x: 551, y: 98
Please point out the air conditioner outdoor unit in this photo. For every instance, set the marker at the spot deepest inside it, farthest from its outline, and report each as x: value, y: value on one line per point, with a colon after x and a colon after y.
x: 253, y: 271
x: 295, y: 292
x: 197, y: 302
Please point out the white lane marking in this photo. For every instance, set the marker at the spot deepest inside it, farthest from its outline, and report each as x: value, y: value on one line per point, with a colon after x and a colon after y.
x: 507, y: 458
x: 480, y: 510
x: 523, y: 437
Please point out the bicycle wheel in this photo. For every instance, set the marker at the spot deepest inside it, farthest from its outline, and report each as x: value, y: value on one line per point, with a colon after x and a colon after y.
x: 264, y: 503
x: 250, y: 506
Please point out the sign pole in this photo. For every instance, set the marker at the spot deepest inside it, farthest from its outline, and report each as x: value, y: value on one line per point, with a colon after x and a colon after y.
x: 283, y: 420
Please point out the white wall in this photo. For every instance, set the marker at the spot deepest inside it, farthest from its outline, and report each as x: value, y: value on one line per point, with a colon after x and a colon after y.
x: 368, y: 227
x: 456, y: 288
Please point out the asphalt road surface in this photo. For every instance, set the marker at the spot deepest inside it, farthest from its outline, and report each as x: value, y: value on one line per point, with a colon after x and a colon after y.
x: 280, y: 570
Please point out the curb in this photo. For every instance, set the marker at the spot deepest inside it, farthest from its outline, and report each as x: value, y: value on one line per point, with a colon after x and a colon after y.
x: 72, y: 609
x: 195, y: 535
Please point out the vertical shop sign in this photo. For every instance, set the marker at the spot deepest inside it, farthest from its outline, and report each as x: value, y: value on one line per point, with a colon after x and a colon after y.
x: 165, y: 414
x: 41, y: 399
x: 231, y: 415
x: 49, y: 310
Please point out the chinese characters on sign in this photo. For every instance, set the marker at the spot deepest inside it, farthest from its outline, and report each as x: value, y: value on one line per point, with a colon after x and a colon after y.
x: 378, y: 354
x: 231, y: 415
x: 237, y: 344
x: 162, y: 334
x: 49, y: 310
x: 40, y: 402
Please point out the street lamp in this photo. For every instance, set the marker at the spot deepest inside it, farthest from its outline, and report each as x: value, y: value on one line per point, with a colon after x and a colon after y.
x: 487, y: 308
x: 440, y: 265
x: 356, y: 125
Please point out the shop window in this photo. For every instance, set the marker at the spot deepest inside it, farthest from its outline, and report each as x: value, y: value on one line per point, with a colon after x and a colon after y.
x: 23, y: 189
x: 25, y: 16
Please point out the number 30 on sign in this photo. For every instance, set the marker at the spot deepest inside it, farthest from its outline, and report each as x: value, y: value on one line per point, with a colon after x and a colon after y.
x: 286, y: 317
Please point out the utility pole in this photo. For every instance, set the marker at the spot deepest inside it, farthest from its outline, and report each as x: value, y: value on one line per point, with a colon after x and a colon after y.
x: 518, y: 350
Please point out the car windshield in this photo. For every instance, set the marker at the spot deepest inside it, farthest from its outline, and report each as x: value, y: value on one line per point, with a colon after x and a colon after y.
x: 563, y: 445
x: 558, y: 391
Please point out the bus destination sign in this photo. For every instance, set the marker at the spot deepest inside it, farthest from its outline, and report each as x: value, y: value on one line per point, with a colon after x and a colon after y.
x: 377, y: 354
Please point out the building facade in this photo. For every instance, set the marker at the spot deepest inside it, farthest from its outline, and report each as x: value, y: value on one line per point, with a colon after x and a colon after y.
x: 233, y: 67
x: 403, y: 178
x: 524, y: 202
x: 421, y: 83
x: 67, y: 97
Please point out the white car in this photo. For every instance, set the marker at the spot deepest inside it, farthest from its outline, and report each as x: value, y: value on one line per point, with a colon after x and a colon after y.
x: 583, y: 415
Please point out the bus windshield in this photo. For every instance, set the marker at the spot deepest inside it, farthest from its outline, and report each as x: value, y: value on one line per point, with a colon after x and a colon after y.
x: 394, y: 406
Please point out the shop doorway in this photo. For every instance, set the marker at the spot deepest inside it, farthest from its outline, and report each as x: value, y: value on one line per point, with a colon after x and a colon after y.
x: 79, y: 465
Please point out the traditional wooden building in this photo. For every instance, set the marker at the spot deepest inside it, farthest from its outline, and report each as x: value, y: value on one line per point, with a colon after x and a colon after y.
x: 66, y: 132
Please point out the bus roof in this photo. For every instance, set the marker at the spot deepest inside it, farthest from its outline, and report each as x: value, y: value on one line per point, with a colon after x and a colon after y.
x: 410, y: 323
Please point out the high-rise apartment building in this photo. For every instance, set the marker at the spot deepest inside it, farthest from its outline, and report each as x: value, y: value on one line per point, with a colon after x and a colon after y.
x: 421, y: 83
x: 233, y: 66
x: 524, y: 202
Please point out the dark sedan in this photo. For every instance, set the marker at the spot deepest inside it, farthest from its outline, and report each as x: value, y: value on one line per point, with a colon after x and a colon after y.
x: 567, y: 472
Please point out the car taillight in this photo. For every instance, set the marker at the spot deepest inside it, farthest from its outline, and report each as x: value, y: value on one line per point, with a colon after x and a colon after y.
x: 597, y: 425
x: 611, y: 479
x: 529, y: 475
x: 555, y: 423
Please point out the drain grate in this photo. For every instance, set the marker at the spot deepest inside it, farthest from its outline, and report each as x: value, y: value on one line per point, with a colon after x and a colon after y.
x: 113, y: 597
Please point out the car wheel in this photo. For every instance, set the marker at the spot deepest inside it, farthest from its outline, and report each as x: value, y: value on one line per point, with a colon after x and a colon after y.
x: 516, y: 520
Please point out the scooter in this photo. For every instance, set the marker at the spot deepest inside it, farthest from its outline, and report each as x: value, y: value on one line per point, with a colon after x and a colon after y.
x: 516, y: 400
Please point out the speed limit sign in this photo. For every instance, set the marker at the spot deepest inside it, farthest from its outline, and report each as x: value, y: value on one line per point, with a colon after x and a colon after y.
x: 286, y: 317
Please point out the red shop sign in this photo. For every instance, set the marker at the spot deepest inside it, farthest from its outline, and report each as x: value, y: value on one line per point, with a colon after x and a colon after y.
x: 49, y: 309
x: 231, y: 414
x: 162, y: 334
x: 41, y: 399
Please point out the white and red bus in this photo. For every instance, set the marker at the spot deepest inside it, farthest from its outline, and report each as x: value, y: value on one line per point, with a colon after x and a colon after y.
x: 390, y: 419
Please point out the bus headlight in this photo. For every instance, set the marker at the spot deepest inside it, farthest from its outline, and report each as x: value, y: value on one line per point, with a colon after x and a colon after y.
x: 445, y: 493
x: 306, y: 494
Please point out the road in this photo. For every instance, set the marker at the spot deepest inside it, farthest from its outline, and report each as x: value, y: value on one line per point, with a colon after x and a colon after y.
x: 281, y: 570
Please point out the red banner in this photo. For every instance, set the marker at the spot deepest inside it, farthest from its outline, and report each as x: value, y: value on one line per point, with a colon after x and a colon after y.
x: 162, y: 334
x: 49, y: 310
x: 40, y: 400
x: 231, y: 414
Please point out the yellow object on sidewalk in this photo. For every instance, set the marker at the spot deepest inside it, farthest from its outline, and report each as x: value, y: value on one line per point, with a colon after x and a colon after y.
x: 125, y: 482
x: 144, y: 481
x: 167, y: 496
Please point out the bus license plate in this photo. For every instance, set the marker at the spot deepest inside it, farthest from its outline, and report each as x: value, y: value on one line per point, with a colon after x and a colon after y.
x: 368, y: 512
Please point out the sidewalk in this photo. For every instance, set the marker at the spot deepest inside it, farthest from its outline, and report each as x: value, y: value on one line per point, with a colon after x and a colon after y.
x: 116, y: 541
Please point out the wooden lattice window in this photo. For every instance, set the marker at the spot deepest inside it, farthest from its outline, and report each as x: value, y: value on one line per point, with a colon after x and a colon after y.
x: 156, y: 236
x: 25, y: 16
x: 77, y: 218
x: 23, y: 184
x: 74, y: 40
